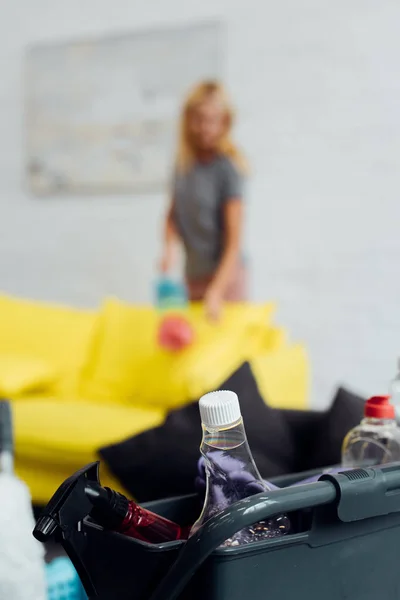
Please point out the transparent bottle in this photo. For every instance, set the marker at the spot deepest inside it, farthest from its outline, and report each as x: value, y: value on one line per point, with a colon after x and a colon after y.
x: 395, y: 392
x: 230, y: 468
x: 376, y: 440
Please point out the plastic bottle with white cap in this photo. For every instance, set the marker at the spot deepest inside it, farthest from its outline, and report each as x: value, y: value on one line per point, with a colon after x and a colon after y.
x: 230, y: 468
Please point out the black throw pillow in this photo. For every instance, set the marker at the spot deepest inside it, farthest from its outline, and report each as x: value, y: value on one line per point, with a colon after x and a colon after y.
x: 346, y: 412
x: 304, y: 427
x: 162, y: 462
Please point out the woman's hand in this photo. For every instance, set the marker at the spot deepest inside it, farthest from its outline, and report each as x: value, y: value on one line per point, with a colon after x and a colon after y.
x: 223, y: 276
x: 167, y: 260
x: 165, y: 263
x: 213, y: 300
x: 170, y: 240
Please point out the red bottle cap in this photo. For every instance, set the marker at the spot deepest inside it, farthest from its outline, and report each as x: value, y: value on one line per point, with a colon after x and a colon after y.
x: 379, y: 407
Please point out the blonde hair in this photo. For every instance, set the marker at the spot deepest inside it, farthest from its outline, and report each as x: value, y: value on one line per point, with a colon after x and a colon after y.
x: 201, y: 92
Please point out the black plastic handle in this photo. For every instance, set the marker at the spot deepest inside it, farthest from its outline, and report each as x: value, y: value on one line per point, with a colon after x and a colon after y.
x: 244, y: 513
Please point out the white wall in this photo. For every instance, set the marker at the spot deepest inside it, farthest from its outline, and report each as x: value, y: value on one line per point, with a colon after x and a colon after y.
x: 316, y: 83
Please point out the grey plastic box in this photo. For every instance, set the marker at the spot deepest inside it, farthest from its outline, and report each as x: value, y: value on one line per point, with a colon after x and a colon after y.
x: 346, y: 545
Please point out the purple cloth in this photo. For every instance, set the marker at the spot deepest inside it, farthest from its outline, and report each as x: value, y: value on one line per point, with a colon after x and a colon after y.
x: 234, y: 475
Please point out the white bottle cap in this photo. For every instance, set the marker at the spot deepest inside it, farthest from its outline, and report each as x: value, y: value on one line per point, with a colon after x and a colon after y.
x: 220, y: 408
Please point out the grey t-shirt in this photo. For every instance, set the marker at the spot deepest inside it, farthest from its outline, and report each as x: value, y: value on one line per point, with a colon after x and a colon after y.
x: 198, y: 198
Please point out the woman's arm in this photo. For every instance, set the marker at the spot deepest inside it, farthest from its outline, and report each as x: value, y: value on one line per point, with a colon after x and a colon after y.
x: 233, y: 217
x: 170, y: 239
x: 233, y: 221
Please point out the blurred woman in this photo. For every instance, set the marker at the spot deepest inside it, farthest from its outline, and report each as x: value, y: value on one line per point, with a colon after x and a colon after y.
x: 206, y: 209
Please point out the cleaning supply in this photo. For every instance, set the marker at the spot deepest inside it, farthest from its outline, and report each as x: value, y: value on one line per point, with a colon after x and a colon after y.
x: 115, y: 512
x: 170, y: 294
x: 175, y: 331
x: 230, y: 468
x: 395, y: 392
x: 63, y: 581
x: 22, y: 567
x: 82, y: 495
x: 376, y: 441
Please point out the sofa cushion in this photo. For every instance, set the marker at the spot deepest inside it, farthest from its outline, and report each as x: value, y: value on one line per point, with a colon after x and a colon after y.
x: 69, y: 433
x: 281, y: 441
x: 23, y: 374
x: 283, y: 376
x: 162, y: 461
x: 56, y: 334
x: 126, y: 362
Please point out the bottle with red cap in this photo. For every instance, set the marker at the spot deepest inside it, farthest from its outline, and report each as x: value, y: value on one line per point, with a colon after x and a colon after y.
x: 115, y: 512
x: 376, y: 440
x: 395, y: 392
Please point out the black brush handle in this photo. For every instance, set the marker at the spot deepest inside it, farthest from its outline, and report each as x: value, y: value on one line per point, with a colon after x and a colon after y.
x: 6, y: 427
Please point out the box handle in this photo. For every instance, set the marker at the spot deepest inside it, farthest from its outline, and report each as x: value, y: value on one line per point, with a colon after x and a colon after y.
x: 366, y: 493
x: 244, y: 513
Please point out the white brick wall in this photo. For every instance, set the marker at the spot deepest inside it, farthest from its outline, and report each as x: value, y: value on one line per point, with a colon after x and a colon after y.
x: 316, y: 83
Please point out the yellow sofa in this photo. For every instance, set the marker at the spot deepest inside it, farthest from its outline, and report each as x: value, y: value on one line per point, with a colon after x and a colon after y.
x: 80, y: 380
